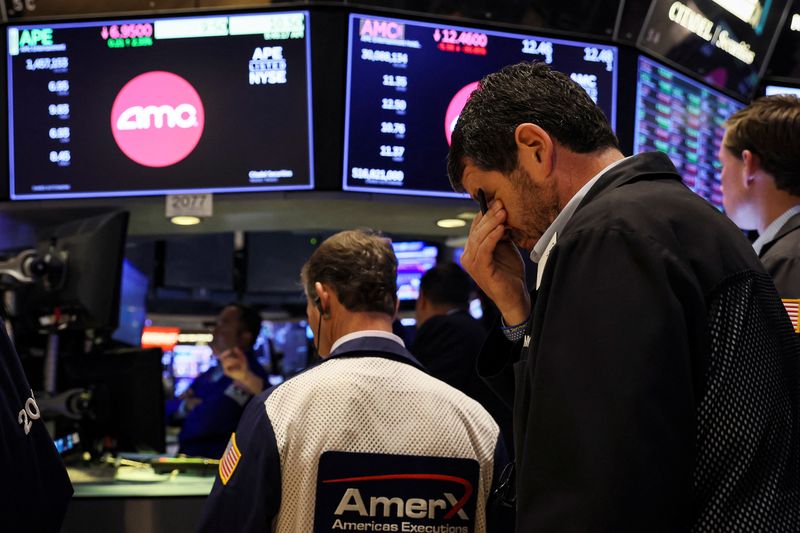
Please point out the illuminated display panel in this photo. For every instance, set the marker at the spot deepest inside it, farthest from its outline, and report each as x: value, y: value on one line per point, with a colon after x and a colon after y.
x: 769, y: 90
x: 727, y: 42
x: 414, y: 258
x: 685, y: 120
x: 407, y: 82
x: 161, y: 105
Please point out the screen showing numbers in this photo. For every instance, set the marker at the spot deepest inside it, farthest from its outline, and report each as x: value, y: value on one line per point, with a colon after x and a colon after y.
x: 686, y: 120
x: 216, y: 103
x: 407, y: 82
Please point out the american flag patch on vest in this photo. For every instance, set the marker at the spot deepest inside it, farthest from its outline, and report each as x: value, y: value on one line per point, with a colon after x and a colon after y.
x: 793, y: 307
x: 229, y: 460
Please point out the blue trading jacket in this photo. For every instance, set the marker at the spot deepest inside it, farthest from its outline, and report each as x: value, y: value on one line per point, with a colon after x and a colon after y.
x: 208, y: 426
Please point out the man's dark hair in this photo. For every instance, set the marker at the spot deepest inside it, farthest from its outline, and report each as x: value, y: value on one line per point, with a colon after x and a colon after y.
x: 360, y: 267
x: 770, y: 128
x: 447, y: 284
x: 518, y: 94
x: 249, y: 320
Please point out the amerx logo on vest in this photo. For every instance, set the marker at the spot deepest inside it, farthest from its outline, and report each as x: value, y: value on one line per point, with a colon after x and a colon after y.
x: 157, y: 119
x: 404, y: 493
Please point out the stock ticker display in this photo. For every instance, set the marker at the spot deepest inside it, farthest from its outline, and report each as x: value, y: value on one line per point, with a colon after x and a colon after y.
x: 160, y: 105
x: 685, y: 120
x: 407, y: 82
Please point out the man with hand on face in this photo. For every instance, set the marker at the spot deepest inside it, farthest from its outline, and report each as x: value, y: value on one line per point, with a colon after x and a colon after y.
x: 760, y: 158
x: 365, y: 440
x: 212, y: 405
x: 653, y: 372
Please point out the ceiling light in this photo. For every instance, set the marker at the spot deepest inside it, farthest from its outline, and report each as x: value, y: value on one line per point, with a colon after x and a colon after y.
x: 185, y: 221
x: 467, y: 215
x: 451, y: 223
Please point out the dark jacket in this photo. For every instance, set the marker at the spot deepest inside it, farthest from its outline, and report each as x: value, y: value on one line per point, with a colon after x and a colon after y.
x: 781, y: 258
x: 35, y: 491
x: 659, y: 388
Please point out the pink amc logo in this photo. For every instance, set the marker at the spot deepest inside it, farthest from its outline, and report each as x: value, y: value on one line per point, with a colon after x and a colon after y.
x: 157, y: 119
x: 454, y: 109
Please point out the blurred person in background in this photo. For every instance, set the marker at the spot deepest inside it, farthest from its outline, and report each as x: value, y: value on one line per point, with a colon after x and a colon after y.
x: 212, y: 405
x: 449, y: 339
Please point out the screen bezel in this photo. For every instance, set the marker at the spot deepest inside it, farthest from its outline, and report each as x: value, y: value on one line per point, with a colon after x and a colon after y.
x: 502, y: 31
x: 140, y: 17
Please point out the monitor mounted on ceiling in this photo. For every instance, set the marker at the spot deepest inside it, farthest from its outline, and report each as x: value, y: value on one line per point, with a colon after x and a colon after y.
x: 685, y: 119
x: 407, y: 82
x: 149, y: 106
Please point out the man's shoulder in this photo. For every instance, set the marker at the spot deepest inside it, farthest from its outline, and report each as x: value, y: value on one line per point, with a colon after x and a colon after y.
x: 376, y: 379
x: 785, y: 247
x: 664, y: 219
x: 655, y: 209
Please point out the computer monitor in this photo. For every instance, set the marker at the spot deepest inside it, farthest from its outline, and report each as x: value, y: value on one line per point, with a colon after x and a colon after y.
x: 414, y: 258
x: 189, y: 361
x: 408, y: 80
x: 132, y: 308
x: 126, y: 412
x: 160, y: 104
x: 684, y: 119
x: 291, y: 342
x: 90, y: 251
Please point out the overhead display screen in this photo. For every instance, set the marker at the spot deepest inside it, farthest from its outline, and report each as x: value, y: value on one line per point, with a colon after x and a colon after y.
x: 407, y: 82
x: 770, y: 90
x: 686, y: 120
x: 161, y: 105
x: 727, y: 42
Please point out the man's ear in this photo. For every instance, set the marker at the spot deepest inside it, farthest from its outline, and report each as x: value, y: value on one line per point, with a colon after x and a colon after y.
x: 323, y: 300
x: 535, y: 147
x: 752, y: 166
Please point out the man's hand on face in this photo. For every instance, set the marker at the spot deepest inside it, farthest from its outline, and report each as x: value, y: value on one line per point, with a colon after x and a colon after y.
x: 235, y: 366
x: 496, y: 265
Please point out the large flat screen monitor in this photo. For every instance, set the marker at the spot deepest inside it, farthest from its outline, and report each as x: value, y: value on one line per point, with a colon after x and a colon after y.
x: 684, y: 119
x: 407, y: 82
x: 727, y: 42
x: 218, y: 103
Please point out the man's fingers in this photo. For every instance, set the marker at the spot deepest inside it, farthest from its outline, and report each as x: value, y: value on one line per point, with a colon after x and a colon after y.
x: 484, y: 255
x: 482, y: 227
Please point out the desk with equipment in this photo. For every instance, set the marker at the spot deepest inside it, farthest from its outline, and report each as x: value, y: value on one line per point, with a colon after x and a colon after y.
x: 139, y: 493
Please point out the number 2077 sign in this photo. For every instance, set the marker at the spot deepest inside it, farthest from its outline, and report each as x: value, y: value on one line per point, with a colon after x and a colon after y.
x: 199, y: 205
